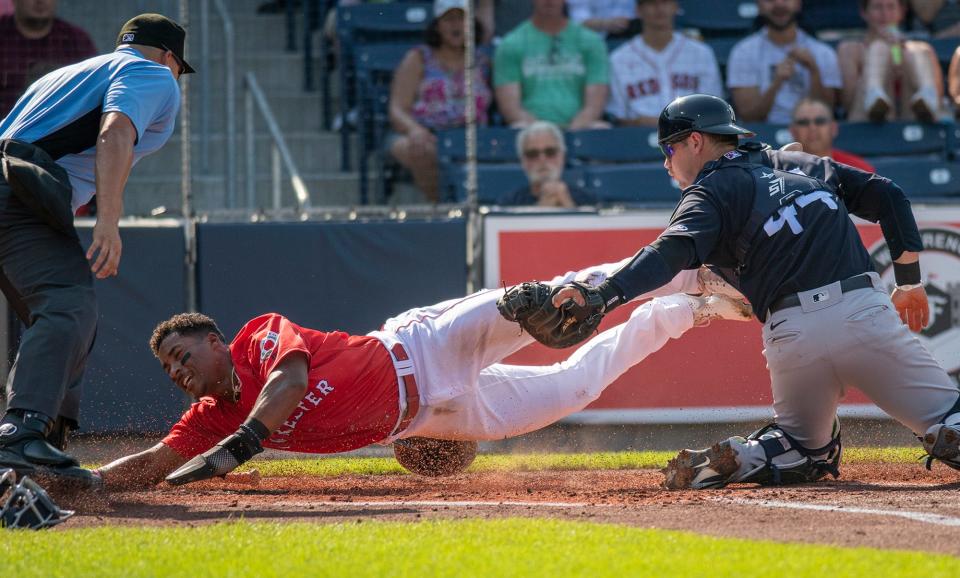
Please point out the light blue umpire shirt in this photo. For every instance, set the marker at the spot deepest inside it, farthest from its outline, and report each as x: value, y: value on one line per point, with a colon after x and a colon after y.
x: 62, y: 110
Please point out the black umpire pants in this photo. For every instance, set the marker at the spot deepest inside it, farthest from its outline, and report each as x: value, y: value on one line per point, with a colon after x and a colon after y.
x: 47, y: 280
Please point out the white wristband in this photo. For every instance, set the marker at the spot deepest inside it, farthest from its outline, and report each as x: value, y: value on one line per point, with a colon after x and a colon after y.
x: 909, y: 287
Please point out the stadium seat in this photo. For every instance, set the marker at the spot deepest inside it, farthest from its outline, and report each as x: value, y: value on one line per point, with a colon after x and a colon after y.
x: 944, y: 48
x: 718, y: 17
x: 775, y: 135
x: 494, y: 145
x: 926, y: 179
x: 375, y: 64
x: 616, y: 145
x: 820, y: 15
x: 369, y: 24
x: 893, y: 138
x: 722, y: 47
x: 646, y: 183
x: 493, y: 180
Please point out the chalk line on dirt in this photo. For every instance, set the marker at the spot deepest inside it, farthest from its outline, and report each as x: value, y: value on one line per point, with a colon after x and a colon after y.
x: 924, y: 517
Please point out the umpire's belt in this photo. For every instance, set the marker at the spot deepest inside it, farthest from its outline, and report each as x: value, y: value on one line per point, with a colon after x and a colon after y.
x: 850, y: 284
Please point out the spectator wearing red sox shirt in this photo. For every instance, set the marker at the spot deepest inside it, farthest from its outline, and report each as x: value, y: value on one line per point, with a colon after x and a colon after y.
x: 657, y: 66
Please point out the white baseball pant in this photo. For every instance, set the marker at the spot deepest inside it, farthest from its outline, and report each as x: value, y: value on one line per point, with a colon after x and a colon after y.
x: 466, y: 393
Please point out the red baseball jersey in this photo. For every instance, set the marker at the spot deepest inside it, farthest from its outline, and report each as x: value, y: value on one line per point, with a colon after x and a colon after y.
x: 352, y: 397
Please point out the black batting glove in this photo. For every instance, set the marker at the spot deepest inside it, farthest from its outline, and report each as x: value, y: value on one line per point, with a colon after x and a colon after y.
x: 224, y: 457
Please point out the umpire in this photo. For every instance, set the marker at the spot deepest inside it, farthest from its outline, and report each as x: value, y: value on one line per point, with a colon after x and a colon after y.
x: 776, y: 225
x: 76, y: 132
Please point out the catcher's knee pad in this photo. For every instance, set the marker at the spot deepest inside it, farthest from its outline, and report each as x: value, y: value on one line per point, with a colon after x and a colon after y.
x: 942, y: 440
x: 771, y: 456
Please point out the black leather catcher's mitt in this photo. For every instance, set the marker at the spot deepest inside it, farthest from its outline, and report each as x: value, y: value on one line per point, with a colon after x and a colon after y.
x: 531, y: 305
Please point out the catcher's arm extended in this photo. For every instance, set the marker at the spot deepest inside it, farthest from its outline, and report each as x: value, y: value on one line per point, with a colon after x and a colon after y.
x: 286, y: 385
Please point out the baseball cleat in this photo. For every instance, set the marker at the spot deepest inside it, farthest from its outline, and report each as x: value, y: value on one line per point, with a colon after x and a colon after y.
x: 701, y: 469
x: 942, y: 442
x: 706, y: 309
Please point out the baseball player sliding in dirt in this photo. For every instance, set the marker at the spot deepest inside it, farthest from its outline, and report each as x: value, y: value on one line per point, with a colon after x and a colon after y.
x: 432, y: 372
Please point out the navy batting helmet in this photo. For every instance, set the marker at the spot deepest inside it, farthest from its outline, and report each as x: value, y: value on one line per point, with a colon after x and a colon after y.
x: 697, y: 113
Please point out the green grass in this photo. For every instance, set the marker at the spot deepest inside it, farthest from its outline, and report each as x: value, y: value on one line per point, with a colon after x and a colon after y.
x: 508, y: 547
x: 336, y: 466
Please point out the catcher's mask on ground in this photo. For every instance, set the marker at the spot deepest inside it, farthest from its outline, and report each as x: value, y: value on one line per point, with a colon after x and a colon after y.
x: 26, y: 505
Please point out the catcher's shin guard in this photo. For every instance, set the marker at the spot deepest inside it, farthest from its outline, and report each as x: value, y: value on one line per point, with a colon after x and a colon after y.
x: 769, y: 456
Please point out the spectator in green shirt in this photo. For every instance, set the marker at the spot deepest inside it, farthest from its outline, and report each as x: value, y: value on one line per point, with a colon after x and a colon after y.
x: 552, y: 69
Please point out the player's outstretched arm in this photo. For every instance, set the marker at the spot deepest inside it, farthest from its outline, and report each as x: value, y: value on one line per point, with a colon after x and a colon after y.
x: 286, y: 385
x: 141, y: 470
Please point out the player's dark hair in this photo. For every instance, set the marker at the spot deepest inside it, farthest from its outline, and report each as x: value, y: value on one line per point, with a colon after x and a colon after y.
x: 431, y: 36
x: 184, y: 324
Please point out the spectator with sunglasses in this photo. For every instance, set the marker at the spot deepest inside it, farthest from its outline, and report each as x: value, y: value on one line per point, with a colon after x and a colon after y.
x: 814, y: 127
x: 553, y: 69
x: 542, y: 155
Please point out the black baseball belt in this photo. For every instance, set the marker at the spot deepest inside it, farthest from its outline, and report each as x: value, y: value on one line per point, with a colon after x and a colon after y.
x: 851, y: 284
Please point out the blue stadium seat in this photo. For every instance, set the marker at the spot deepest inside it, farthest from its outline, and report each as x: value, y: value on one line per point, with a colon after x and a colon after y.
x: 775, y: 135
x: 616, y: 145
x: 494, y: 145
x: 718, y: 17
x: 722, y: 47
x: 944, y: 48
x: 820, y: 15
x: 375, y: 64
x: 892, y: 138
x: 493, y: 180
x: 367, y: 24
x: 926, y: 179
x: 646, y: 183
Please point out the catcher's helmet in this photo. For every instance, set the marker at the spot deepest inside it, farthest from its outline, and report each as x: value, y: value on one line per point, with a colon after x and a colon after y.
x: 697, y: 113
x: 26, y: 504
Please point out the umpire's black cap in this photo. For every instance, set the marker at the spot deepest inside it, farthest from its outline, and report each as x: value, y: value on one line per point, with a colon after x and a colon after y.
x: 158, y: 31
x: 697, y: 113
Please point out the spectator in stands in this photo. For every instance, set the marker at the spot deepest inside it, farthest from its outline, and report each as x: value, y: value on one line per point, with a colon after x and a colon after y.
x: 885, y: 76
x: 606, y: 17
x: 940, y: 18
x: 655, y: 67
x: 33, y: 41
x: 552, y: 69
x: 814, y: 127
x: 772, y: 69
x: 543, y: 153
x: 428, y: 94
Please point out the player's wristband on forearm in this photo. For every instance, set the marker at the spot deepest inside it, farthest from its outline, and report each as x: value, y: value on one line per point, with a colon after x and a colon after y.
x: 907, y: 273
x: 611, y: 294
x: 255, y: 427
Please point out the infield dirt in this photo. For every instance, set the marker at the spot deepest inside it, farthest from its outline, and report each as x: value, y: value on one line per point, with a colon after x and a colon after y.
x: 900, y: 506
